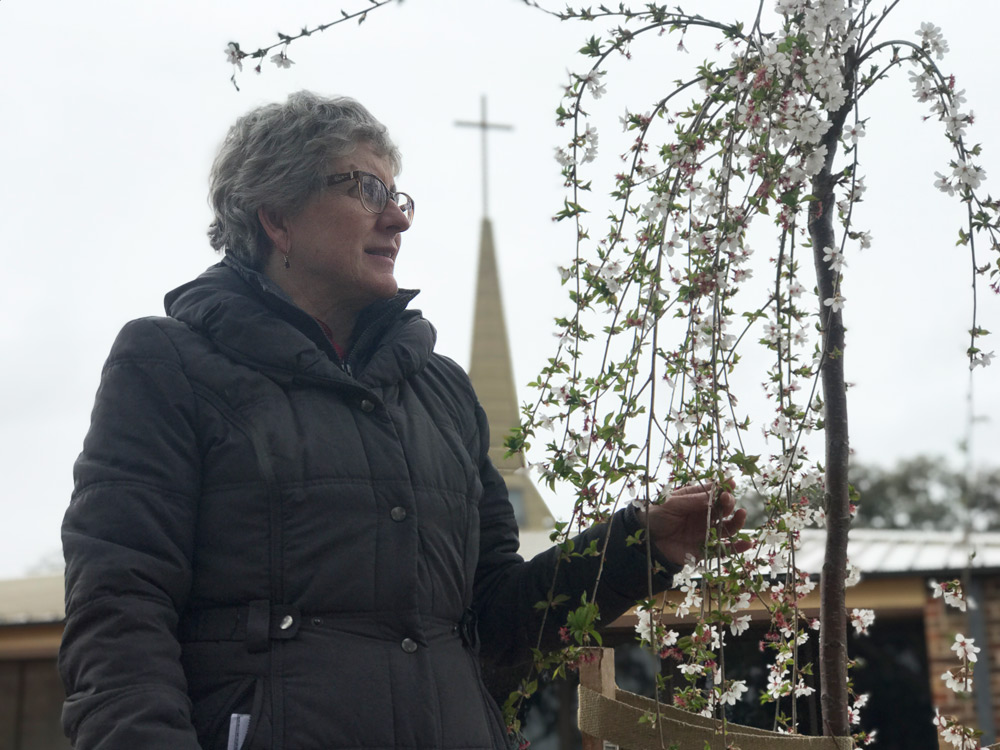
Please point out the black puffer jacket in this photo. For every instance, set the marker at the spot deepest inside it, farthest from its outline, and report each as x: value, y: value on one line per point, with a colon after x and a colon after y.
x: 260, y: 531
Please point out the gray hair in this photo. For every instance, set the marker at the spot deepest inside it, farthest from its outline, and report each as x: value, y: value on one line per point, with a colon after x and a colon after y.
x: 276, y: 156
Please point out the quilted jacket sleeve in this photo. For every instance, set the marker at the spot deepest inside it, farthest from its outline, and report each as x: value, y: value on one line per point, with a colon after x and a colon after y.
x: 507, y: 587
x: 128, y: 539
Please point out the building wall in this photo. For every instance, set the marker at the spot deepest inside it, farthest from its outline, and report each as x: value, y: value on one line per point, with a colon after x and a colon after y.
x: 31, y: 698
x: 31, y: 693
x: 942, y: 623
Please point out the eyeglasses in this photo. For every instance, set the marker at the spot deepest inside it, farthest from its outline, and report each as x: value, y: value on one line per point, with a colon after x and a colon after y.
x: 374, y: 194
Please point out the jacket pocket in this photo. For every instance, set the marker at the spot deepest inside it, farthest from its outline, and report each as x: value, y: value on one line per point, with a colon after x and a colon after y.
x: 239, y: 727
x: 258, y: 735
x: 213, y: 712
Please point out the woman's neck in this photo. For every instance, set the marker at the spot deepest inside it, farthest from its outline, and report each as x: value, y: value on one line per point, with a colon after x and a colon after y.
x: 315, y: 299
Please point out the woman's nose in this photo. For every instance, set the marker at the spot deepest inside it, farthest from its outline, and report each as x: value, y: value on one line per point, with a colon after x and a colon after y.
x: 392, y: 216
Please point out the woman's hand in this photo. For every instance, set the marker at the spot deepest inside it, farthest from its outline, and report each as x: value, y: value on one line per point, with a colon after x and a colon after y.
x: 679, y: 525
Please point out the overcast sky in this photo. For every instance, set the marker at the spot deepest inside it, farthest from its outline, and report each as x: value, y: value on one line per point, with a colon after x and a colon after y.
x: 112, y: 111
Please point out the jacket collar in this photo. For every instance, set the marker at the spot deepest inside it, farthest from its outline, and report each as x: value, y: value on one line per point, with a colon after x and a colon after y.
x: 254, y: 322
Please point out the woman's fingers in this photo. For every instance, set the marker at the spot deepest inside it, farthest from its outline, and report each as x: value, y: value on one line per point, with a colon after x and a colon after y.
x: 725, y: 505
x: 707, y: 488
x: 734, y: 524
x: 691, y: 489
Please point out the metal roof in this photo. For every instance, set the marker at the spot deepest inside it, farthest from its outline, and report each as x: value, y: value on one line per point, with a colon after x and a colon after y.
x: 878, y: 552
x: 895, y: 551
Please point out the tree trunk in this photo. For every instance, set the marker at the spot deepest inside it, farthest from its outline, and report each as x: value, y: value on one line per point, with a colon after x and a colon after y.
x: 833, y: 615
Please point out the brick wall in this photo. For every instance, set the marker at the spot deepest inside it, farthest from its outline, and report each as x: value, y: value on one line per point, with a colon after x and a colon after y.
x: 941, y: 623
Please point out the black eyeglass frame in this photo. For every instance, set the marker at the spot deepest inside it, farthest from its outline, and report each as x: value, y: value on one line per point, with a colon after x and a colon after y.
x: 408, y: 208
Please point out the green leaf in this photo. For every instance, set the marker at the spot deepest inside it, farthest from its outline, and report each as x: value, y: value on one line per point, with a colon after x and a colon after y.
x: 592, y: 48
x: 747, y: 464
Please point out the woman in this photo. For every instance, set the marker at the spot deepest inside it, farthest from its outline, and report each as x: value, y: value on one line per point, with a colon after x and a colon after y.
x: 285, y: 525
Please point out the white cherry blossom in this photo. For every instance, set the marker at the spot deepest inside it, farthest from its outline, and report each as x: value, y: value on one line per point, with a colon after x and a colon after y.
x: 233, y: 55
x: 853, y: 575
x: 958, y: 680
x: 861, y: 620
x: 594, y: 85
x: 969, y: 174
x: 856, y: 132
x: 835, y: 303
x: 802, y: 689
x: 656, y: 209
x: 924, y: 86
x: 590, y: 138
x: 964, y: 648
x: 776, y: 60
x: 739, y: 625
x: 814, y: 162
x: 944, y: 184
x: 956, y: 122
x: 951, y: 592
x: 733, y: 693
x: 564, y: 158
x: 983, y: 359
x: 932, y: 39
x: 835, y: 258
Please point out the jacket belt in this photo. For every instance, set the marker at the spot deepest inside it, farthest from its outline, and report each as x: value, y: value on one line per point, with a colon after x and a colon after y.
x: 468, y: 629
x: 260, y: 622
x: 256, y: 623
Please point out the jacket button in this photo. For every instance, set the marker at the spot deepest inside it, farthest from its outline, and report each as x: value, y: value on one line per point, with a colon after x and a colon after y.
x: 286, y: 622
x: 398, y: 513
x: 409, y: 645
x: 367, y: 406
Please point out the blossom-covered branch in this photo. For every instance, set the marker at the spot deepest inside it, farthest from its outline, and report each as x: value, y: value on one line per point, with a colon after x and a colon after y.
x: 640, y: 396
x: 235, y: 55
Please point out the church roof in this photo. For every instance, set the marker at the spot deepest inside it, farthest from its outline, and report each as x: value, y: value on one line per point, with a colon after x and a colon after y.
x: 492, y: 373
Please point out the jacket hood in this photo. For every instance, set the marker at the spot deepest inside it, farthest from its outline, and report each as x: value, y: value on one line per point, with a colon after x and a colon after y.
x: 256, y: 327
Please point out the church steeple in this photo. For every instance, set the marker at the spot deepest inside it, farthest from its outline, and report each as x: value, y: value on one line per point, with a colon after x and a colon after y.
x: 492, y: 376
x: 491, y: 371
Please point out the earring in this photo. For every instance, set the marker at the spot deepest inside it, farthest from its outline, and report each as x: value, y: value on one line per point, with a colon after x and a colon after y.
x: 287, y: 264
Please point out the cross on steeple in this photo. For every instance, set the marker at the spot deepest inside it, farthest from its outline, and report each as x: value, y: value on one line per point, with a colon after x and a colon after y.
x: 491, y: 369
x: 483, y: 126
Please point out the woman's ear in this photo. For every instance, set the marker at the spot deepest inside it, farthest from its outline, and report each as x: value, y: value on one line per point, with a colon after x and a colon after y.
x: 276, y: 228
